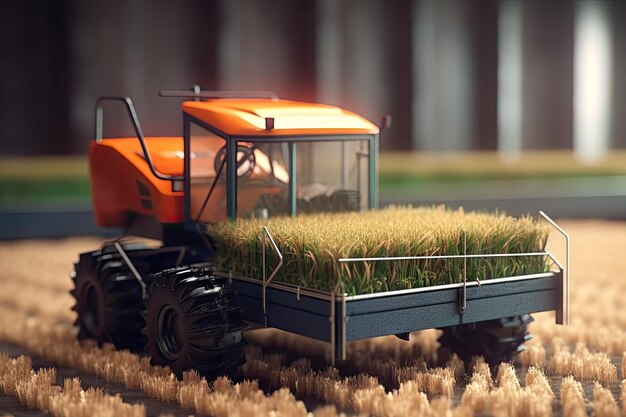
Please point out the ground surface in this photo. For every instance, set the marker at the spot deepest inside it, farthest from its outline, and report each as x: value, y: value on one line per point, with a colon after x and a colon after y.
x: 35, y: 320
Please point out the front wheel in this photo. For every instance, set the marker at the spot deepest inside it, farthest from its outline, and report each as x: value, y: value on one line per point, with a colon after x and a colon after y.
x: 497, y: 340
x: 108, y: 301
x: 193, y: 323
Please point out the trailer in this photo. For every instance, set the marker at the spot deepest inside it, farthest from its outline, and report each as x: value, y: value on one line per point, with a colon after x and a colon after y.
x: 337, y: 318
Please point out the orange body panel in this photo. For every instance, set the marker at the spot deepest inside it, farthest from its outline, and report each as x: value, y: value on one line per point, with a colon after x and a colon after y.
x: 122, y: 183
x: 246, y: 117
x: 117, y: 167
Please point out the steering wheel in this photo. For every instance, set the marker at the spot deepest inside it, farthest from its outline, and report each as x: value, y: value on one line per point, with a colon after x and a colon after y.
x: 246, y: 161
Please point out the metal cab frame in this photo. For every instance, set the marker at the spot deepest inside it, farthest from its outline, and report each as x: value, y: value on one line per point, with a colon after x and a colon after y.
x: 231, y: 143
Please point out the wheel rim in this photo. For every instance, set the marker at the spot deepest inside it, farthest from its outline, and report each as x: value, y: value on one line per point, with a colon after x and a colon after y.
x: 91, y: 314
x: 169, y: 333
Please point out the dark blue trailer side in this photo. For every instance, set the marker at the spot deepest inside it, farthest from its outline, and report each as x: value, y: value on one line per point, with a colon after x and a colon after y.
x: 338, y: 318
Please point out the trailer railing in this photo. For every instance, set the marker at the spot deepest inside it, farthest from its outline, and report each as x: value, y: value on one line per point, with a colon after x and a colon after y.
x: 566, y: 278
x: 463, y: 301
x: 266, y: 282
x: 561, y: 318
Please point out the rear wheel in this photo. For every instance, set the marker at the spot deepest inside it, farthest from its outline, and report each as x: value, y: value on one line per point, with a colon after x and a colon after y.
x: 108, y: 301
x: 193, y: 323
x: 497, y: 340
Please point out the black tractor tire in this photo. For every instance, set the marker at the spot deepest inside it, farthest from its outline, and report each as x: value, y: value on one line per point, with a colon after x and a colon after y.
x: 496, y: 340
x: 109, y: 302
x: 193, y: 323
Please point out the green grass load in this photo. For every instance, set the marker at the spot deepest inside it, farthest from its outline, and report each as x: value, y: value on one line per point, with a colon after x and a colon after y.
x: 312, y: 244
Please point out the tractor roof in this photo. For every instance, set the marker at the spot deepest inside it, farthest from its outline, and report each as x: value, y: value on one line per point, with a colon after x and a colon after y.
x: 247, y: 117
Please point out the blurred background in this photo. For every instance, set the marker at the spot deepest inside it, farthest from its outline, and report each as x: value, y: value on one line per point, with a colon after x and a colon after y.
x: 516, y: 105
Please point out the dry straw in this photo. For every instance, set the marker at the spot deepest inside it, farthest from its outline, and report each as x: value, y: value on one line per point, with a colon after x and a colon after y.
x: 312, y: 244
x: 604, y: 404
x: 534, y: 354
x: 57, y: 345
x: 572, y: 398
x: 361, y: 393
x: 368, y: 354
x: 507, y: 397
x: 476, y: 395
x: 582, y: 363
x: 38, y: 390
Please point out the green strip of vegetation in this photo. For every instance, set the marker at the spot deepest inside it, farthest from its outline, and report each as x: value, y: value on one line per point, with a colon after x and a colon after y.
x: 31, y: 190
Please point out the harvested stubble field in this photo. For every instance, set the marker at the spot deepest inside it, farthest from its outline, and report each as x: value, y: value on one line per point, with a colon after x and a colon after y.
x: 572, y: 371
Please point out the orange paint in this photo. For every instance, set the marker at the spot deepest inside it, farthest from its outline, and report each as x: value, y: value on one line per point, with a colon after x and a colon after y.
x: 117, y: 165
x: 246, y: 117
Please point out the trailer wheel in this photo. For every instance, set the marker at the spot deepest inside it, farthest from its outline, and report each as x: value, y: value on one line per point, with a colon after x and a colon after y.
x: 109, y: 304
x: 192, y: 323
x: 497, y: 340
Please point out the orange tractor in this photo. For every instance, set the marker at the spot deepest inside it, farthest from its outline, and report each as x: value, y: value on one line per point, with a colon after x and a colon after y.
x: 241, y: 155
x: 253, y: 155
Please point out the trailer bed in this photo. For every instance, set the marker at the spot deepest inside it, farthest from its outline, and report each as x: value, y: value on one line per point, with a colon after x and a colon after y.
x: 339, y: 318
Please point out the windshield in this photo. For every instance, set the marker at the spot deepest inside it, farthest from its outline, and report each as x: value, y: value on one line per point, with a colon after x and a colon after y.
x: 277, y: 177
x: 330, y: 176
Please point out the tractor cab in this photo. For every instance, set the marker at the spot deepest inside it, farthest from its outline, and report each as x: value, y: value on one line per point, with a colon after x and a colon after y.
x: 241, y: 155
x: 267, y: 157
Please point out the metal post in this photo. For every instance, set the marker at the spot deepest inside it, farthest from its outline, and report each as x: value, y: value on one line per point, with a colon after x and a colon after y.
x: 344, y: 165
x: 344, y: 320
x: 293, y: 178
x: 331, y: 319
x: 373, y: 172
x: 264, y: 278
x: 567, y: 263
x: 187, y: 167
x: 464, y: 291
x: 99, y: 132
x: 133, y: 270
x: 266, y: 282
x: 231, y: 178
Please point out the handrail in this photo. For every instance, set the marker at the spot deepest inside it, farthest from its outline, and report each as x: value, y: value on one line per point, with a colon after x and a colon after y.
x: 465, y: 257
x: 267, y: 234
x: 135, y: 120
x: 567, y: 260
x: 219, y: 94
x: 416, y: 258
